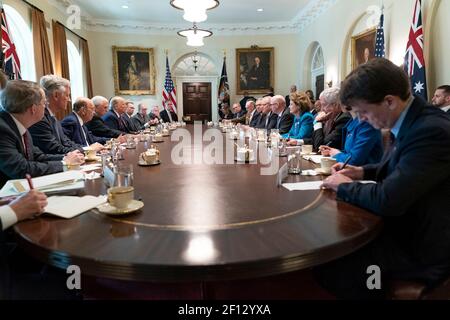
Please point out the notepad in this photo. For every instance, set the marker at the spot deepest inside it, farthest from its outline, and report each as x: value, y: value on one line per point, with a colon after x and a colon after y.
x: 303, y: 186
x: 50, y: 183
x: 314, y: 158
x: 68, y: 207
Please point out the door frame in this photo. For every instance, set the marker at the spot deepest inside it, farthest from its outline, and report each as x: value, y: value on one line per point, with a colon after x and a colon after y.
x: 213, y: 80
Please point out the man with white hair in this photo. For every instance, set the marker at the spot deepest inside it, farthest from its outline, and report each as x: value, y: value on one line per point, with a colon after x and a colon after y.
x: 48, y: 133
x: 268, y: 119
x: 97, y: 126
x: 239, y: 114
x: 155, y: 116
x: 329, y: 122
x: 284, y: 116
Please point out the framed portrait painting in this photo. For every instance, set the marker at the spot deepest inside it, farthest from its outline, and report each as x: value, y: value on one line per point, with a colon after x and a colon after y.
x: 363, y: 47
x: 134, y: 71
x: 255, y: 70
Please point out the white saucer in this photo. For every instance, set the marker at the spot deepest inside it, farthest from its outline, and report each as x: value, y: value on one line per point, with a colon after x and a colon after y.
x: 145, y: 164
x: 133, y: 206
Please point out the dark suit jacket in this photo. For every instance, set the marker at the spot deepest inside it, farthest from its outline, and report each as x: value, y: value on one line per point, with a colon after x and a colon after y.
x: 13, y: 163
x: 73, y: 129
x: 271, y: 124
x: 165, y: 116
x: 98, y: 128
x: 52, y: 139
x: 285, y: 124
x: 255, y: 119
x: 131, y: 126
x: 240, y: 117
x: 113, y: 122
x: 413, y: 189
x: 335, y: 137
x: 139, y: 120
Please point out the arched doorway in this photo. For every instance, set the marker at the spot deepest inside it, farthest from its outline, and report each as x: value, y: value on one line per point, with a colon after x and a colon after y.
x: 318, y: 72
x: 196, y: 76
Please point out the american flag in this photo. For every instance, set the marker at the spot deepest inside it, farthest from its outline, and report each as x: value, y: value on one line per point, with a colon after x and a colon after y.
x: 414, y: 59
x: 11, y: 63
x: 169, y: 91
x: 380, y: 51
x: 223, y: 85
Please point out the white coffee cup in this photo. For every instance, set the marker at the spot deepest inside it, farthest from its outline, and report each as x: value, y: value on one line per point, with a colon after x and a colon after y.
x: 327, y: 163
x: 307, y: 149
x: 120, y: 197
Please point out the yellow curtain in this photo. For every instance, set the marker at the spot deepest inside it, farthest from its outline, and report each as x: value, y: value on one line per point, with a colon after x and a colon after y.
x: 61, y: 59
x: 42, y: 56
x: 87, y: 66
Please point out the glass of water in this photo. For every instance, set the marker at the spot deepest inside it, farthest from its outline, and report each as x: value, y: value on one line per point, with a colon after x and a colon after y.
x: 123, y: 175
x: 294, y: 160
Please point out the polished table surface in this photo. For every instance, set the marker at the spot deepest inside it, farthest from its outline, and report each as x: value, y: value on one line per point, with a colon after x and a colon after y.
x: 203, y: 222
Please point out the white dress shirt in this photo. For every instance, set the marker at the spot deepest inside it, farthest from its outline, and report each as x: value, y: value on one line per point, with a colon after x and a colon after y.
x: 7, y: 216
x: 82, y: 130
x: 446, y: 108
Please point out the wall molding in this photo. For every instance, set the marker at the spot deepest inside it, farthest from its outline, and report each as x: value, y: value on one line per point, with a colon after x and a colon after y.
x: 301, y: 21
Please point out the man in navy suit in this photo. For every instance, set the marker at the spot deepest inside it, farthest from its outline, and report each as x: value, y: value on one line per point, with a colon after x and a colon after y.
x: 127, y: 118
x: 441, y: 98
x: 117, y: 106
x: 74, y: 124
x: 167, y: 115
x: 411, y: 190
x: 48, y: 134
x: 284, y: 117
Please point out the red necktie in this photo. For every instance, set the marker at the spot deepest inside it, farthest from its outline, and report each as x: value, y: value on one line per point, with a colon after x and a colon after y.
x: 25, y: 142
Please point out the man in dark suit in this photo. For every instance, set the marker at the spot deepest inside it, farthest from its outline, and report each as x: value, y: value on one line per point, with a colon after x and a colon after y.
x: 239, y: 114
x: 412, y: 189
x: 23, y: 104
x: 97, y: 126
x: 127, y: 115
x: 74, y: 124
x: 112, y: 118
x: 330, y: 122
x: 141, y: 119
x: 441, y: 98
x: 48, y: 134
x: 284, y: 117
x: 256, y: 114
x: 268, y: 119
x: 167, y: 114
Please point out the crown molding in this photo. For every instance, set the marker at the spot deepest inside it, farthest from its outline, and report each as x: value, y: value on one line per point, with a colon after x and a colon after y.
x: 301, y: 21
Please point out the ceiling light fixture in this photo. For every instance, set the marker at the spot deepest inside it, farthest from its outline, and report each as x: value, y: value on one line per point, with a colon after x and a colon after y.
x: 124, y: 7
x: 260, y: 10
x: 195, y: 36
x: 194, y: 10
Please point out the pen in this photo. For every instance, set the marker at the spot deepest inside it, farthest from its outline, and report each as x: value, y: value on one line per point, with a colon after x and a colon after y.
x: 346, y: 162
x: 30, y: 182
x: 329, y: 144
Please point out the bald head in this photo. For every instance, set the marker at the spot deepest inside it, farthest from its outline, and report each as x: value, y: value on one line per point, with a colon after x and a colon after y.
x: 278, y: 104
x: 84, y: 108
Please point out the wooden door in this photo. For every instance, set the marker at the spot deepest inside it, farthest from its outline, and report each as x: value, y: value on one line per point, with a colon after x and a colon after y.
x: 320, y: 85
x: 197, y: 101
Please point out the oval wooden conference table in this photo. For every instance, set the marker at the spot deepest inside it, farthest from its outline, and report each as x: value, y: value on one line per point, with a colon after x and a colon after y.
x: 203, y: 223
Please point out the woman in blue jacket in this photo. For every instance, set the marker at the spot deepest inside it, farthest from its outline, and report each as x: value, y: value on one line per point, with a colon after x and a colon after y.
x: 303, y: 119
x: 361, y: 141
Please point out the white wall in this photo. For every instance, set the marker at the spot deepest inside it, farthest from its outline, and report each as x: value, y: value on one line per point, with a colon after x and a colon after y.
x: 100, y: 45
x: 334, y: 29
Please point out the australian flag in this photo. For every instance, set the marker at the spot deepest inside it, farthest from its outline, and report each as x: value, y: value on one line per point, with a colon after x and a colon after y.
x: 414, y: 59
x: 9, y: 57
x: 380, y: 51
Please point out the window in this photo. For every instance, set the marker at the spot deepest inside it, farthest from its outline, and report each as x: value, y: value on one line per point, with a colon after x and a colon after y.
x: 75, y: 70
x: 21, y: 34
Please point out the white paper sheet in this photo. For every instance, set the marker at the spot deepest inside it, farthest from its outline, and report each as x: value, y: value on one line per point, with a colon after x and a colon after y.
x: 314, y: 158
x: 69, y: 207
x: 303, y: 186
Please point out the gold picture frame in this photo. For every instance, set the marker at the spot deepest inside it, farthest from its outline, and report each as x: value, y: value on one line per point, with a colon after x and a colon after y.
x: 363, y: 47
x: 254, y: 78
x: 134, y: 71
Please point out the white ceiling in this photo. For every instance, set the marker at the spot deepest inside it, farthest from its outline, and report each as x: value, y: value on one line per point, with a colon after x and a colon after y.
x: 160, y: 11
